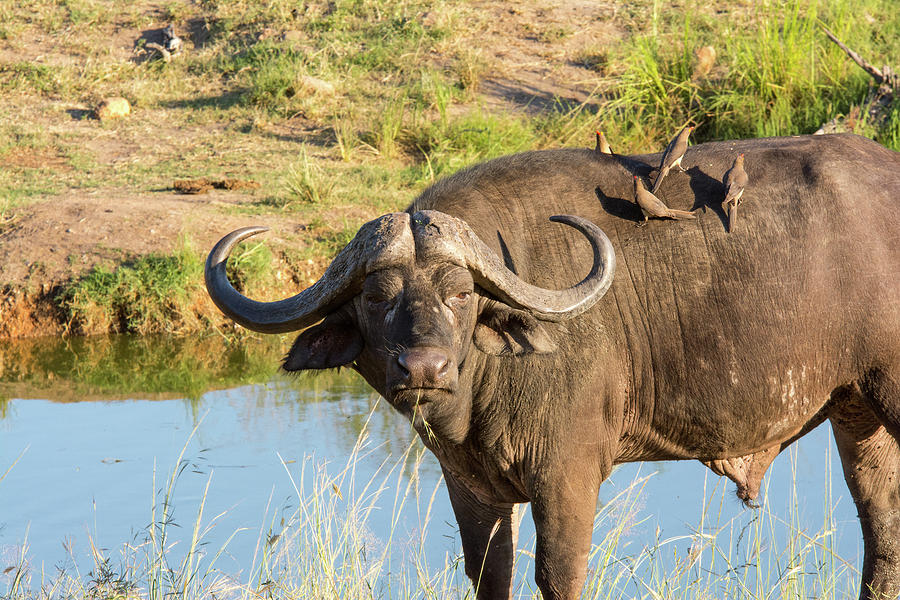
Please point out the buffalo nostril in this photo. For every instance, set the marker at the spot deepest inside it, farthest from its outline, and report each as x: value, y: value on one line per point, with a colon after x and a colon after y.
x: 441, y: 367
x: 404, y: 367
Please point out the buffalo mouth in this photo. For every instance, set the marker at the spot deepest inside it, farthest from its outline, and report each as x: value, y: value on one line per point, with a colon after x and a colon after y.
x: 419, y: 395
x: 407, y: 399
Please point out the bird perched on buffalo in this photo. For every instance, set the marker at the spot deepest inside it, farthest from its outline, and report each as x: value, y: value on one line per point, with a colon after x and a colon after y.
x: 735, y: 181
x: 652, y: 206
x: 672, y: 156
x: 602, y: 144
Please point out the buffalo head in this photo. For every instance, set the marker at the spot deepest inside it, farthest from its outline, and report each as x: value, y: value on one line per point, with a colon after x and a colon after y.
x: 404, y: 302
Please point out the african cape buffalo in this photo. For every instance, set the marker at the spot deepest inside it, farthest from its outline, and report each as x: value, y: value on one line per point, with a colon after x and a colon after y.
x: 533, y: 356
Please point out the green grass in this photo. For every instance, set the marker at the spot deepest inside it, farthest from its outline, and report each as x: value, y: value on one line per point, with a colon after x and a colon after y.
x: 324, y: 547
x: 158, y: 293
x: 32, y: 158
x: 151, y: 294
x: 307, y: 182
x: 890, y: 133
x: 780, y: 76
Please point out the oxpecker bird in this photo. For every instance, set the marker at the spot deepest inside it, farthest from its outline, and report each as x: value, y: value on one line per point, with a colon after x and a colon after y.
x: 602, y: 144
x: 735, y: 181
x: 672, y: 156
x: 652, y: 206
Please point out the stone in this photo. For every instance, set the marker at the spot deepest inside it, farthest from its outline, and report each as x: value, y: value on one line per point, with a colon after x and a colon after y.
x: 113, y: 108
x: 318, y: 85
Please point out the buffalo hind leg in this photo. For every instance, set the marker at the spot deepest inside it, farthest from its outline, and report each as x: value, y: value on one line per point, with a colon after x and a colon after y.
x: 489, y: 532
x: 870, y: 456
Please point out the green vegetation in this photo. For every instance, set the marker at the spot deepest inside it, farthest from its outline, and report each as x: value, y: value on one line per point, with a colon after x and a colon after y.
x: 158, y: 293
x: 890, y: 133
x: 324, y: 548
x: 148, y: 295
x: 345, y: 110
x: 779, y: 76
x: 32, y: 148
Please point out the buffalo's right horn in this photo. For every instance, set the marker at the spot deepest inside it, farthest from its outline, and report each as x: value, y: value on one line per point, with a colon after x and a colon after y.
x: 383, y: 241
x: 456, y: 238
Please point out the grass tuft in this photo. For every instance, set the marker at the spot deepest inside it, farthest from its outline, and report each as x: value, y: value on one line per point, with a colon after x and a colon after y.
x: 158, y: 293
x: 470, y: 67
x: 151, y: 294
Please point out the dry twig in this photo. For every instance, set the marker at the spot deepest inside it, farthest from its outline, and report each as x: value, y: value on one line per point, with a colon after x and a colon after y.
x: 883, y: 76
x: 879, y: 99
x: 167, y: 56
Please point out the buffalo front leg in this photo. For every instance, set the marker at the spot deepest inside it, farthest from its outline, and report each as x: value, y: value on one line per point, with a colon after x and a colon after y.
x: 564, y: 521
x: 489, y: 532
x: 871, y: 460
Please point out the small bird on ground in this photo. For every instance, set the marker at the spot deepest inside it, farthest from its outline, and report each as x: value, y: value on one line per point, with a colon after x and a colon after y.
x: 602, y: 144
x: 652, y: 206
x: 171, y: 41
x: 735, y: 181
x: 672, y: 156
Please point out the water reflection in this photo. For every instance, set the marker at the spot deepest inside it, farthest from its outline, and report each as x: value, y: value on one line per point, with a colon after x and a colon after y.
x: 103, y: 421
x: 127, y: 367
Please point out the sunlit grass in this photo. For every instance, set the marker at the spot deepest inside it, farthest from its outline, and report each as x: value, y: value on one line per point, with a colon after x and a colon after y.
x: 159, y: 293
x: 776, y: 73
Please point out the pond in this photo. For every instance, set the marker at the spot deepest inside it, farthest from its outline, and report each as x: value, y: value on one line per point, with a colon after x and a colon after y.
x: 175, y: 465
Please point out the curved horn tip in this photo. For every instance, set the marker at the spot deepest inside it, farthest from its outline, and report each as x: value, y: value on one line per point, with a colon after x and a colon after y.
x: 223, y: 247
x: 571, y: 220
x: 562, y: 218
x: 590, y: 229
x: 245, y: 232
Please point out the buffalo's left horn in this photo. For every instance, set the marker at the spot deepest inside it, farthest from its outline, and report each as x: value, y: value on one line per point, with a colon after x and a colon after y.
x: 381, y: 241
x: 490, y: 273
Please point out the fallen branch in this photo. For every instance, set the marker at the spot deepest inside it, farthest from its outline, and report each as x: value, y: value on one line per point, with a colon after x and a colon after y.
x: 868, y: 68
x: 167, y: 56
x: 877, y: 102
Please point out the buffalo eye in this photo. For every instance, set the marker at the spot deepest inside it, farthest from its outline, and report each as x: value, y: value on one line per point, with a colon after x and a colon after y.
x: 459, y: 300
x: 377, y: 302
x: 381, y: 292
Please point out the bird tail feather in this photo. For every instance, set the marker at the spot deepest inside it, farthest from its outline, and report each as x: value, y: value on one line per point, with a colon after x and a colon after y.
x: 732, y: 217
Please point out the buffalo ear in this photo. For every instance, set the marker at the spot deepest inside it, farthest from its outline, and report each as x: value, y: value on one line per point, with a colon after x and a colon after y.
x: 334, y: 342
x: 506, y: 331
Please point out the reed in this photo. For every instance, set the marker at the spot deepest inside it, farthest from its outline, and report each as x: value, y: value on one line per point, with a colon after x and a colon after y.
x: 324, y: 547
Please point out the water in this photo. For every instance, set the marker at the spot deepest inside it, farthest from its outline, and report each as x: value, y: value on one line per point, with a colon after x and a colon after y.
x: 90, y: 454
